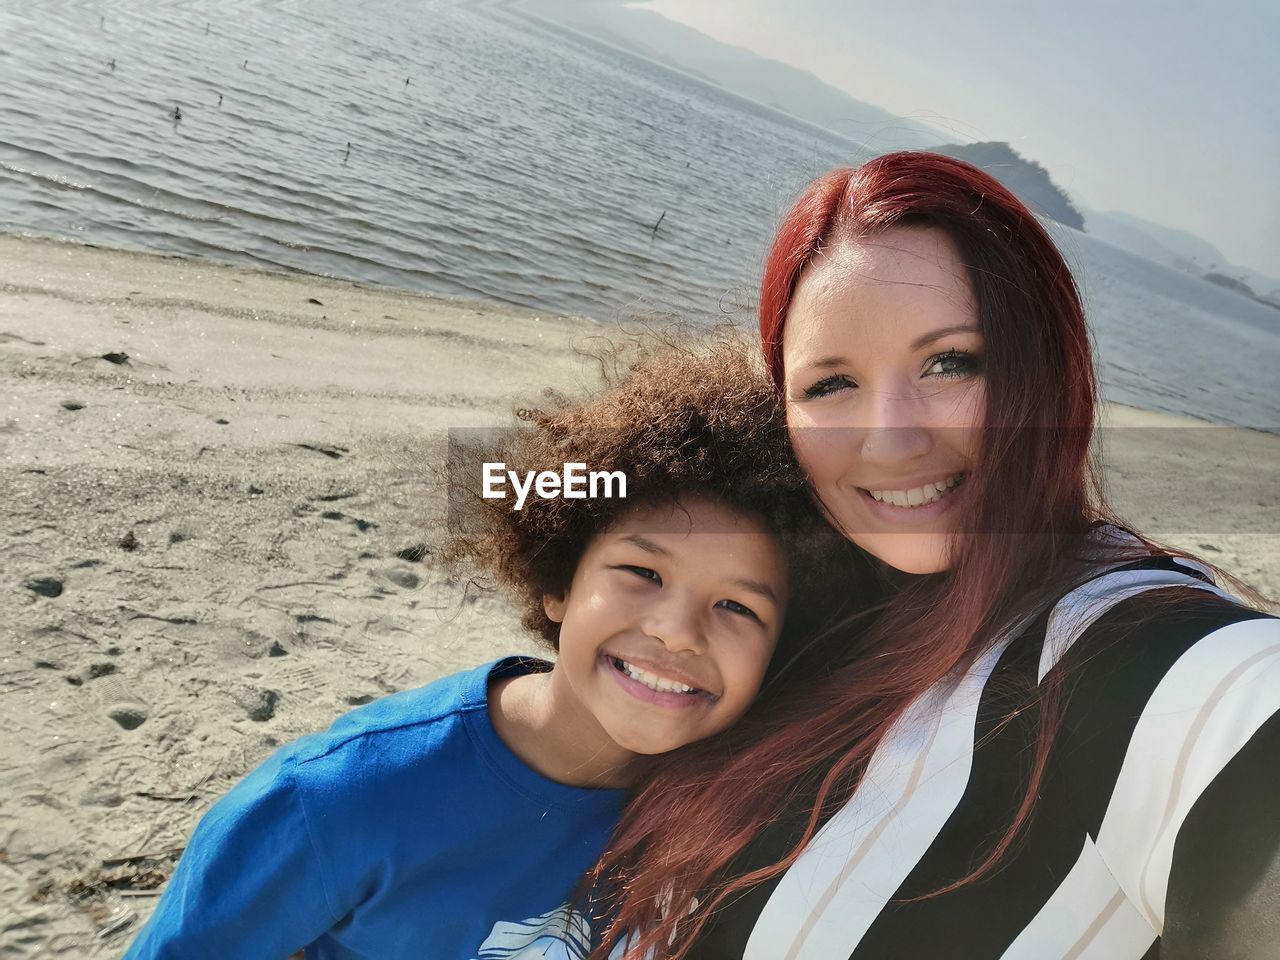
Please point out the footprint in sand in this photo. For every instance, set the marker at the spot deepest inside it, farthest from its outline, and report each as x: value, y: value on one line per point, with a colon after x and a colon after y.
x: 405, y: 579
x: 6, y: 337
x: 45, y: 586
x: 302, y: 681
x: 415, y: 553
x: 118, y: 358
x: 94, y: 671
x: 363, y: 526
x: 121, y: 703
x: 333, y: 451
x: 129, y: 718
x: 302, y: 619
x: 258, y: 704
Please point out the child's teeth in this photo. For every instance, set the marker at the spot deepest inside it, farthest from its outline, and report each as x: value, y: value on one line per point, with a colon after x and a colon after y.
x: 652, y: 681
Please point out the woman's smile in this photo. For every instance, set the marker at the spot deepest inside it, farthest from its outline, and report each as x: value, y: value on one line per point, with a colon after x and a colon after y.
x: 911, y: 495
x: 914, y: 505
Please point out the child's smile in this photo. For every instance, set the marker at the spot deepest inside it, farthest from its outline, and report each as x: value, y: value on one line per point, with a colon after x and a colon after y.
x: 667, y: 628
x: 655, y: 684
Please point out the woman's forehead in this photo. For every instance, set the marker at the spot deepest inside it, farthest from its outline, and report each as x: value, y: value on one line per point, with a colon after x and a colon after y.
x: 898, y: 262
x: 897, y: 284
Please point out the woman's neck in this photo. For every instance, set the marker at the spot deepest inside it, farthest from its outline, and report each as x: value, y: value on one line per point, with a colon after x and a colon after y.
x: 543, y: 724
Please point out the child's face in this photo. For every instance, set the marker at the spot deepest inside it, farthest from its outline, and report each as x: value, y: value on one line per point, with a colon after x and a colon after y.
x: 672, y: 597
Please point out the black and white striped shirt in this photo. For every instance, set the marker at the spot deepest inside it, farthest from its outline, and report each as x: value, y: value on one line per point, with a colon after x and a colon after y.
x: 1156, y: 833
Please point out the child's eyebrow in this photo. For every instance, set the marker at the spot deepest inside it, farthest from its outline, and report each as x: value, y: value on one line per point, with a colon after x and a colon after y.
x: 758, y: 587
x: 645, y: 544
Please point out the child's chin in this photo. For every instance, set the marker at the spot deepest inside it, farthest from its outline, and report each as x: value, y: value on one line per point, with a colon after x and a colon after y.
x: 657, y: 751
x: 651, y: 746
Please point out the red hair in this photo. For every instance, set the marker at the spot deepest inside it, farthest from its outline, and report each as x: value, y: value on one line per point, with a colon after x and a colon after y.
x: 1036, y: 497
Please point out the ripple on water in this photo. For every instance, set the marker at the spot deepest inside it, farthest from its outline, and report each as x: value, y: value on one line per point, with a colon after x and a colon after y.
x: 519, y: 166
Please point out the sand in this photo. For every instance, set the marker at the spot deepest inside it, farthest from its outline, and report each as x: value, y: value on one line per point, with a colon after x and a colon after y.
x: 218, y: 485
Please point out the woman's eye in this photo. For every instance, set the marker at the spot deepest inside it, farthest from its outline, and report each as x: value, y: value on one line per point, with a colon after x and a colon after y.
x: 644, y: 572
x: 953, y: 364
x: 733, y: 606
x: 828, y: 385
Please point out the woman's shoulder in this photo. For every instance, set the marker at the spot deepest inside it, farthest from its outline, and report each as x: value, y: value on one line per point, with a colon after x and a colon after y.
x: 1151, y: 659
x: 1156, y: 635
x: 1153, y: 604
x: 1170, y: 694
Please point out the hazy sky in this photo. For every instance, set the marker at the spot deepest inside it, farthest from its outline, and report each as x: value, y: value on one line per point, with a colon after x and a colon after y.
x: 1169, y: 110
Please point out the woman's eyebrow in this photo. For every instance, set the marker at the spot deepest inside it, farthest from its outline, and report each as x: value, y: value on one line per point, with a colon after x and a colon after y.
x: 925, y: 339
x: 824, y: 363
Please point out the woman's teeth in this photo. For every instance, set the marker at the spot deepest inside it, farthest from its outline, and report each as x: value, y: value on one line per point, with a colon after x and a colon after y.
x: 917, y: 496
x: 650, y: 680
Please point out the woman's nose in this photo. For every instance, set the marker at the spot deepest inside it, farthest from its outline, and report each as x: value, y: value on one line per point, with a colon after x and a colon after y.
x: 896, y: 430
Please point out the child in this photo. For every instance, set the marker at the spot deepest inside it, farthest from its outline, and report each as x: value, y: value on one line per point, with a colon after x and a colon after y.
x: 453, y: 821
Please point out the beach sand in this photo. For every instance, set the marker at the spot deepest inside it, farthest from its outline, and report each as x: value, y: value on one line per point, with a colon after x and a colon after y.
x: 218, y: 484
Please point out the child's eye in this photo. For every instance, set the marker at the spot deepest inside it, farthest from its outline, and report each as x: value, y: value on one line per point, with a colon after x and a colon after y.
x: 953, y: 364
x: 828, y: 385
x: 735, y: 607
x: 642, y: 572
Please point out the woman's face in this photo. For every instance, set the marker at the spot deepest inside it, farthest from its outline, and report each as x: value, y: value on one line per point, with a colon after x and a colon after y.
x: 885, y: 392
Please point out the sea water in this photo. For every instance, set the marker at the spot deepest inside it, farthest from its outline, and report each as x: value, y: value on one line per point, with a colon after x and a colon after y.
x: 467, y: 149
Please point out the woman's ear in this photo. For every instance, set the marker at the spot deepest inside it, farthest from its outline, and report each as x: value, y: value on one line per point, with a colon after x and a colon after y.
x: 554, y: 606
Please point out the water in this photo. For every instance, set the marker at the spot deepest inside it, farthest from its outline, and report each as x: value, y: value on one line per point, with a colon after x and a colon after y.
x: 517, y: 165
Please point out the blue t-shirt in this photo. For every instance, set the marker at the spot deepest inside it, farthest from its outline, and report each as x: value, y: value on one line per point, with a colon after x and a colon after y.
x: 408, y: 829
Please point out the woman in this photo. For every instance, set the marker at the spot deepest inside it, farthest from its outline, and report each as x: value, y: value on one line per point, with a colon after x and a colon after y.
x: 1055, y: 739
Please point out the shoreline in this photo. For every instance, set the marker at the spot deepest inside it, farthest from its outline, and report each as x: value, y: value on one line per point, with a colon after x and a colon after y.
x: 1122, y: 414
x: 224, y: 498
x: 1111, y: 413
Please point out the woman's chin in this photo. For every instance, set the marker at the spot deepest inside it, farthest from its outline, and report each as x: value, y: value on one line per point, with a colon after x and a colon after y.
x: 914, y: 553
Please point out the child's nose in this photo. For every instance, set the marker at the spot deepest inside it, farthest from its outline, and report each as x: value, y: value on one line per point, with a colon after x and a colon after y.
x: 678, y: 624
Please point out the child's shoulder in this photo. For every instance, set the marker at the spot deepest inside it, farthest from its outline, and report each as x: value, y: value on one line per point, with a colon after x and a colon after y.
x: 411, y: 726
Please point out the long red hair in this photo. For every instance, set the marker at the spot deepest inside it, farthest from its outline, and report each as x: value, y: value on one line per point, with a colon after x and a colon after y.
x: 671, y: 862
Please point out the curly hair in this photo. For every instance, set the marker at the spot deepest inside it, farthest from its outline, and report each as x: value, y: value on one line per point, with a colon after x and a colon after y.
x: 680, y: 418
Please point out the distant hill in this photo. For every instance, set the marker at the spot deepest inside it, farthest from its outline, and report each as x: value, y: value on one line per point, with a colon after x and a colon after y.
x: 1180, y: 250
x: 1026, y: 178
x: 774, y: 84
x: 1176, y: 248
x: 802, y: 95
